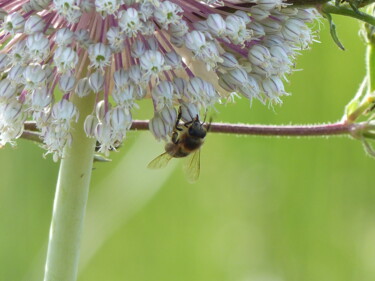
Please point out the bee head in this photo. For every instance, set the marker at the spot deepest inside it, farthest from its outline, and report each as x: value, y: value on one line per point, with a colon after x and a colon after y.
x: 197, y: 130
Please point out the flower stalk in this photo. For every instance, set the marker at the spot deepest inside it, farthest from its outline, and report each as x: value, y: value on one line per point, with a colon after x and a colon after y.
x: 70, y: 200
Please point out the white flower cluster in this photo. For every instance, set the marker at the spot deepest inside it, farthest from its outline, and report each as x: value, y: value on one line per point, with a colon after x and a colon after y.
x: 180, y: 53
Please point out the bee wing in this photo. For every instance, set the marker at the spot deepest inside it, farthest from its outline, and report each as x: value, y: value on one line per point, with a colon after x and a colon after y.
x: 192, y: 167
x: 160, y: 162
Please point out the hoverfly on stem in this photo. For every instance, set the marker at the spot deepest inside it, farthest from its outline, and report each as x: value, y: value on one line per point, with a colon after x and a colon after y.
x: 186, y: 140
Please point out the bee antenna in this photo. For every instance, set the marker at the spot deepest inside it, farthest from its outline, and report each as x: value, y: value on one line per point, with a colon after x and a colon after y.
x: 205, y: 117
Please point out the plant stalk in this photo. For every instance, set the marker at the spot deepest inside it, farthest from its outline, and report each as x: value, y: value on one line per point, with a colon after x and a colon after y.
x: 70, y: 200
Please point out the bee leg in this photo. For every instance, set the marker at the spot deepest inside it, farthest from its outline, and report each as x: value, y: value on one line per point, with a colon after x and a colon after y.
x: 190, y: 122
x: 174, y: 137
x: 208, y: 127
x: 178, y: 120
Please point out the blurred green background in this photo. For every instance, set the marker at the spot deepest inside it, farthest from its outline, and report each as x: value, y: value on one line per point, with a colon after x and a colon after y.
x: 264, y: 209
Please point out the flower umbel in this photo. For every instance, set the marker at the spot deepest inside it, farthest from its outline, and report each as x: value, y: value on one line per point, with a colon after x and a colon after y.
x: 186, y: 53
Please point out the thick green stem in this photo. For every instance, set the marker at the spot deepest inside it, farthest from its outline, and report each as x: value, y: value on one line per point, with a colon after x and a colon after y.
x: 370, y: 57
x: 347, y: 11
x: 70, y: 201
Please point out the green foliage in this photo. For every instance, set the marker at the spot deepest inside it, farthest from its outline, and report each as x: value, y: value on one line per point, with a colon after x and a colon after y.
x: 265, y: 209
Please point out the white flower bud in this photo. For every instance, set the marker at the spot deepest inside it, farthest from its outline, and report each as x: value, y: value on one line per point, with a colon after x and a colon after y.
x: 83, y: 37
x: 34, y: 24
x: 119, y: 119
x: 195, y: 40
x: 115, y: 39
x: 236, y: 29
x: 65, y: 59
x: 273, y: 88
x: 34, y: 77
x: 100, y: 55
x: 124, y: 96
x: 229, y: 61
x: 173, y: 59
x: 159, y: 128
x: 129, y: 22
x: 258, y: 13
x: 179, y: 29
x: 216, y: 25
x: 135, y: 74
x: 40, y: 99
x: 100, y: 110
x: 14, y: 23
x: 243, y: 15
x: 162, y: 95
x: 271, y: 26
x: 169, y: 115
x: 64, y: 37
x: 121, y: 78
x: 259, y: 55
x: 138, y: 49
x: 189, y: 111
x: 106, y: 7
x: 152, y: 62
x: 7, y: 90
x: 83, y: 88
x: 67, y: 82
x: 89, y: 125
x: 257, y: 29
x: 38, y: 47
x: 64, y: 110
x: 167, y: 13
x: 15, y: 74
x: 96, y: 81
x: 4, y: 61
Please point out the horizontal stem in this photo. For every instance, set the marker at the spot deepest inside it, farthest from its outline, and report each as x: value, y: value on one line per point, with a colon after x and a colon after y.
x: 270, y: 130
x: 33, y: 136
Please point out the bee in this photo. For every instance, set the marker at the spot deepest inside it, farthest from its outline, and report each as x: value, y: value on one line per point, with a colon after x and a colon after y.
x: 186, y: 140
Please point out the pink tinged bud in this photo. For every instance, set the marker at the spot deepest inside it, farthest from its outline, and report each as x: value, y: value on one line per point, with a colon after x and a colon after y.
x: 162, y: 95
x: 258, y: 13
x: 138, y: 49
x: 307, y: 15
x: 10, y: 112
x: 83, y: 88
x: 237, y: 77
x: 169, y: 115
x: 259, y: 55
x: 34, y: 24
x: 180, y: 86
x: 273, y: 87
x: 64, y: 37
x: 216, y: 24
x: 244, y: 16
x: 173, y: 59
x: 119, y: 119
x: 195, y: 40
x: 189, y: 111
x: 159, y: 128
x: 40, y: 99
x: 67, y: 83
x: 271, y: 26
x: 153, y: 44
x: 7, y: 90
x: 15, y: 74
x: 121, y: 78
x: 89, y: 125
x: 96, y: 81
x: 229, y: 61
x: 257, y: 29
x: 64, y: 110
x: 14, y: 23
x: 4, y: 61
